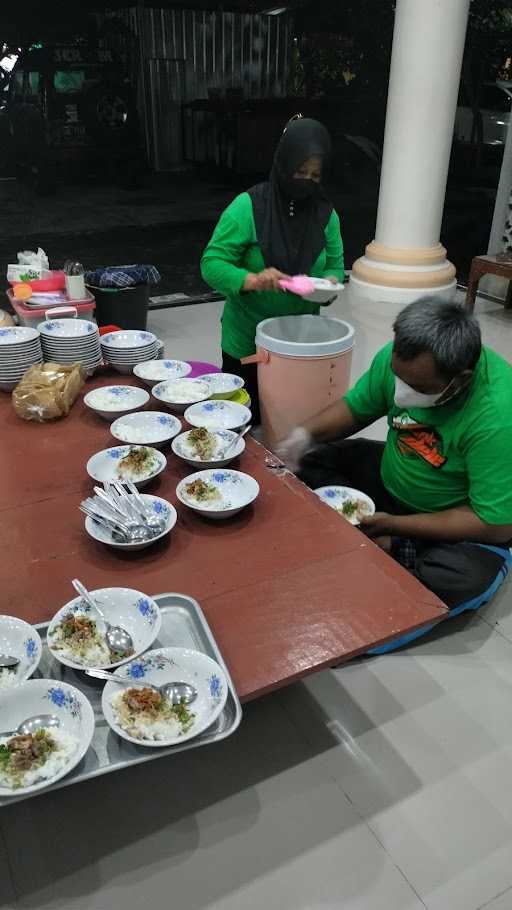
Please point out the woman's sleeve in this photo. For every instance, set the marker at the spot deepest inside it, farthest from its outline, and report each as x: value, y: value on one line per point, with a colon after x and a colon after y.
x: 221, y: 261
x: 334, y: 249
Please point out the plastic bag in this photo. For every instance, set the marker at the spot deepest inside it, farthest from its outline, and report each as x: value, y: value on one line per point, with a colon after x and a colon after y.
x: 5, y: 319
x: 47, y: 391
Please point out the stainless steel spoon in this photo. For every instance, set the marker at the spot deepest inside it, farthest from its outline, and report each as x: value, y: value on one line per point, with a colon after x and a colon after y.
x: 117, y: 638
x: 178, y: 693
x: 222, y: 454
x: 33, y: 724
x: 8, y: 662
x: 157, y: 525
x: 121, y: 532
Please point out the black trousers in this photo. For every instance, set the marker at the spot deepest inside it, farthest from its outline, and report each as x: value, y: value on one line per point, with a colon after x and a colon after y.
x: 249, y: 373
x: 456, y: 572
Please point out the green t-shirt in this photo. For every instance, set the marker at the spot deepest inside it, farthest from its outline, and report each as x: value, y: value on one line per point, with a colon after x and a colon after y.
x: 233, y: 251
x: 457, y: 454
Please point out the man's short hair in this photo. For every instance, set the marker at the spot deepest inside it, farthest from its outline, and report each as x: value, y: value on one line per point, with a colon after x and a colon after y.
x: 441, y: 328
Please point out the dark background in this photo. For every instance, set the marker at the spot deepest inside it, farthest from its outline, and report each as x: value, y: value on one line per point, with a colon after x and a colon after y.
x: 102, y: 182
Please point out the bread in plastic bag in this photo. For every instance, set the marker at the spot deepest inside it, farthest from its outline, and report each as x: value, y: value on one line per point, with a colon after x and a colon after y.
x: 5, y: 319
x: 47, y: 391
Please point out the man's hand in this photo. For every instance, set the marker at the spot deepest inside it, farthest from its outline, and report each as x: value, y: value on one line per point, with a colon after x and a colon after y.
x: 267, y: 280
x: 291, y: 449
x: 378, y: 525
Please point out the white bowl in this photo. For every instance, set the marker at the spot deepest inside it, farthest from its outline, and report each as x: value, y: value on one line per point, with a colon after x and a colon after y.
x: 146, y: 428
x: 184, y: 449
x: 334, y: 496
x: 21, y: 640
x: 17, y: 335
x: 237, y: 490
x: 134, y: 611
x: 154, y: 371
x: 49, y: 696
x: 223, y: 383
x: 112, y: 401
x: 103, y: 466
x: 218, y: 415
x: 168, y: 665
x: 68, y: 329
x: 128, y: 340
x: 178, y: 394
x: 130, y: 359
x: 324, y: 291
x: 160, y: 507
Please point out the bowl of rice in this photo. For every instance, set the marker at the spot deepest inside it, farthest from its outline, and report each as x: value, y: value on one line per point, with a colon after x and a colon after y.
x: 151, y: 428
x: 353, y: 505
x: 20, y: 640
x: 152, y: 372
x: 217, y: 493
x: 112, y: 401
x: 76, y: 634
x: 140, y: 715
x: 179, y: 394
x: 202, y: 447
x: 30, y: 763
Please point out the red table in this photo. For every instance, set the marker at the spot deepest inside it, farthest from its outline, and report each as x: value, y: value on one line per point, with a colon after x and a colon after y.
x: 288, y: 587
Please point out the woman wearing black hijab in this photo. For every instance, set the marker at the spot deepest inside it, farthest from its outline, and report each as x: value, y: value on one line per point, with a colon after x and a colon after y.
x: 283, y: 227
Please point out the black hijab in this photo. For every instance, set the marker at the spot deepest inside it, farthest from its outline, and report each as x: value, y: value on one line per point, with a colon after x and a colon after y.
x: 293, y: 242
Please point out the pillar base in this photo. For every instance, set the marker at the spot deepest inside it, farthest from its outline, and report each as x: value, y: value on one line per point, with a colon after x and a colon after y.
x: 402, y: 275
x: 363, y: 291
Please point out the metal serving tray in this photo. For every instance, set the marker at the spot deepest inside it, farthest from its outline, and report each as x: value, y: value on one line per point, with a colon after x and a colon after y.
x: 183, y: 626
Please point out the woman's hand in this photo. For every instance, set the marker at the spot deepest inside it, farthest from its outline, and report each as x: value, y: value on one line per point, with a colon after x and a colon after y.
x: 332, y: 279
x: 268, y: 280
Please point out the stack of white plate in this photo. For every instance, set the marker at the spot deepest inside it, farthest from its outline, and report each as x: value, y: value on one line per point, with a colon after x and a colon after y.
x: 71, y: 340
x: 20, y: 348
x: 126, y: 348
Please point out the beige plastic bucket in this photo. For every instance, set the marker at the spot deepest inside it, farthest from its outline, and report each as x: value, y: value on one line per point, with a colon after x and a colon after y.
x: 304, y: 365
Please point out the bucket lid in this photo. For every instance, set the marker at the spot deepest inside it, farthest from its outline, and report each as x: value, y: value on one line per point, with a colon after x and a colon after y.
x: 305, y: 336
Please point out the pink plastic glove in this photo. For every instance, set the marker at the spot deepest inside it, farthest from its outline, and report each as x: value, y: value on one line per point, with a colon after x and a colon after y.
x: 298, y: 284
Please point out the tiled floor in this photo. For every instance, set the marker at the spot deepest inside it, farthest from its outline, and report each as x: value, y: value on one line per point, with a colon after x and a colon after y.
x: 383, y: 785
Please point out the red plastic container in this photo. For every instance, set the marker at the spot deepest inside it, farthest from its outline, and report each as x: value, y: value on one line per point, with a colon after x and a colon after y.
x: 56, y: 283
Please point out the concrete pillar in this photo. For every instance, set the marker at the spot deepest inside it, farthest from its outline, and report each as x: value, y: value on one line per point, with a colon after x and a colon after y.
x: 406, y: 259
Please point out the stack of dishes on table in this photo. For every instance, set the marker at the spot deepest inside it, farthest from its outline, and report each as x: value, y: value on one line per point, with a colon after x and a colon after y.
x: 20, y: 348
x: 70, y: 341
x: 163, y: 696
x: 124, y: 349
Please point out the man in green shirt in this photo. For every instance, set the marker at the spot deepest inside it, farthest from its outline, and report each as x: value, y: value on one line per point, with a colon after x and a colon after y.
x: 442, y: 481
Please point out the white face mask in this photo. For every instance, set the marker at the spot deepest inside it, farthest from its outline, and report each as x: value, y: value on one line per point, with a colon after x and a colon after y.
x: 407, y: 397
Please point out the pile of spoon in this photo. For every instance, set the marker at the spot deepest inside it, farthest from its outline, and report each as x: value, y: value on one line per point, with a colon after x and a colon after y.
x: 120, y: 509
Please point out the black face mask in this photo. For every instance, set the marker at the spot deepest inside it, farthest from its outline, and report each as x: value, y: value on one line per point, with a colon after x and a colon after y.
x: 299, y: 188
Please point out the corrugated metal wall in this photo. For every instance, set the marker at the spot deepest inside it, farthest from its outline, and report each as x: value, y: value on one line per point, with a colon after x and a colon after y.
x: 184, y: 53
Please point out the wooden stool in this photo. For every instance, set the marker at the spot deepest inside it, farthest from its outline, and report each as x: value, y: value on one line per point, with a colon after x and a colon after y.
x: 500, y: 265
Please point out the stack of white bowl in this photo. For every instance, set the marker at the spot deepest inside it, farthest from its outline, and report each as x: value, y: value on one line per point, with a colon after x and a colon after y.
x: 20, y: 348
x: 126, y: 348
x: 70, y: 341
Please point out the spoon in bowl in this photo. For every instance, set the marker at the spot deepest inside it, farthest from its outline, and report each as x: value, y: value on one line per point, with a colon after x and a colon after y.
x: 230, y: 445
x: 177, y: 693
x: 33, y: 724
x: 117, y: 638
x: 8, y: 662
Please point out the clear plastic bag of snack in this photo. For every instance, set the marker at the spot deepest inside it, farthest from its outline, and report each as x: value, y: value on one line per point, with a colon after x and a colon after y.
x: 47, y: 391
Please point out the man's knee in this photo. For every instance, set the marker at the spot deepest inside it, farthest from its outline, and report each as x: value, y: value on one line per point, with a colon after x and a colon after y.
x: 457, y: 573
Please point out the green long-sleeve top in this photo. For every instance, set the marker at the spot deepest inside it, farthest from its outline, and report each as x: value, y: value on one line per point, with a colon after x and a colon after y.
x: 233, y: 252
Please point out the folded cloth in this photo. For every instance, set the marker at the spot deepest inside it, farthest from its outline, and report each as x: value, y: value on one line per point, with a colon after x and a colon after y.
x: 122, y: 276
